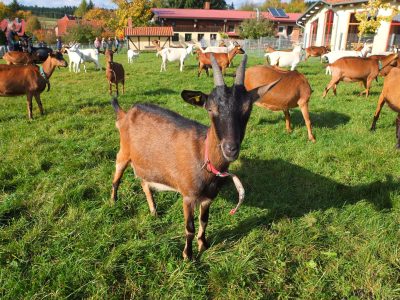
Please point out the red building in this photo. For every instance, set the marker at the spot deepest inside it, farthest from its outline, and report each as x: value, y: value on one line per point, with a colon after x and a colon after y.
x: 196, y: 24
x: 69, y: 21
x: 19, y: 25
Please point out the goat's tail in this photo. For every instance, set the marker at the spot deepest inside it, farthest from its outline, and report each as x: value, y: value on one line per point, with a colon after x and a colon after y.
x: 118, y: 110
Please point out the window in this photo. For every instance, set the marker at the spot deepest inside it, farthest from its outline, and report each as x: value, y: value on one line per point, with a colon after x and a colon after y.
x: 328, y: 27
x: 281, y: 28
x: 188, y: 37
x: 289, y: 30
x: 352, y: 33
x: 175, y: 37
x: 231, y: 28
x: 213, y: 36
x: 200, y: 36
x: 314, y: 28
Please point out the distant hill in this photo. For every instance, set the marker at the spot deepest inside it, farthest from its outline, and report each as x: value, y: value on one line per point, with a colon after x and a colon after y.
x: 50, y: 12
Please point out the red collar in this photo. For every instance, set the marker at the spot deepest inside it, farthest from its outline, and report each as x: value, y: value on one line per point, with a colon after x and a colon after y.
x: 209, y: 165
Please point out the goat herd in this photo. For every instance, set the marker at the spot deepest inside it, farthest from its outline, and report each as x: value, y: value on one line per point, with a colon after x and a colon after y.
x: 170, y: 152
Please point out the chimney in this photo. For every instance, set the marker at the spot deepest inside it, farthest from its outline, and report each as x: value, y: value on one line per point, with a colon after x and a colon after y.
x: 207, y: 5
x: 129, y: 22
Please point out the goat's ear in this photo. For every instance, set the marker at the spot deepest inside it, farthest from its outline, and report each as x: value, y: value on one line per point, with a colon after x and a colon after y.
x: 194, y: 97
x: 259, y: 92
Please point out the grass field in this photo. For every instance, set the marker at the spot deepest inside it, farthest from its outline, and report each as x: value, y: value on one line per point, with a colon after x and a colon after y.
x: 319, y: 221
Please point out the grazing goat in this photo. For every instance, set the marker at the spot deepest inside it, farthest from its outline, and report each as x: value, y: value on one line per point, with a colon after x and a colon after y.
x: 292, y: 90
x: 174, y: 54
x: 315, y: 51
x: 223, y: 59
x: 132, y: 55
x: 390, y: 94
x: 29, y: 80
x: 18, y: 58
x: 357, y: 69
x: 170, y: 152
x: 285, y: 59
x: 270, y: 49
x: 115, y: 72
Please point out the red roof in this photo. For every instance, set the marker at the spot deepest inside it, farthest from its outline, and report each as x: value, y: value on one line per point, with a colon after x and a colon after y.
x: 149, y: 31
x: 212, y: 14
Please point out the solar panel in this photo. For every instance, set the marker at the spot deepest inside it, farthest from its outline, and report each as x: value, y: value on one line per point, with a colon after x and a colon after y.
x: 277, y: 12
x: 281, y: 13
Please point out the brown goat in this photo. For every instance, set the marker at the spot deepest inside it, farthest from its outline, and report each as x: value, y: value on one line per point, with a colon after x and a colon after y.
x: 390, y: 94
x: 357, y: 69
x: 386, y: 70
x: 270, y: 49
x: 115, y: 72
x: 293, y: 90
x: 170, y: 152
x: 315, y: 51
x: 223, y: 59
x: 29, y: 80
x: 18, y: 58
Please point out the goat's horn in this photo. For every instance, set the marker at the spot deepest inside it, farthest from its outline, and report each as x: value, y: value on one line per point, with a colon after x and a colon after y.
x: 239, y: 80
x: 218, y: 78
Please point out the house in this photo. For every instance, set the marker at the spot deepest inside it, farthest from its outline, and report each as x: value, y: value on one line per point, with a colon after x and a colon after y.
x: 333, y: 23
x: 211, y: 24
x: 140, y: 38
x: 69, y: 21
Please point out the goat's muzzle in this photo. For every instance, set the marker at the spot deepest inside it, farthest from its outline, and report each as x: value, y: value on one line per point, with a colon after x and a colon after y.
x: 230, y: 150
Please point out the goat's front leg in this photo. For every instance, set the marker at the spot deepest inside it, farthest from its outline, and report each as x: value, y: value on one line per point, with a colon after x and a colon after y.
x: 39, y: 103
x: 110, y: 87
x: 203, y: 221
x: 381, y: 102
x: 188, y: 212
x: 120, y: 166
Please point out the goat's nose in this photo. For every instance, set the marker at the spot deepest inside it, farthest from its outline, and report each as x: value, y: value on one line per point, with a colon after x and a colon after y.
x: 231, y: 150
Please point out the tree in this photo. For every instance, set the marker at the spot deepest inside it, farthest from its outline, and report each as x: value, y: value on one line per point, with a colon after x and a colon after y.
x: 14, y: 6
x: 90, y: 5
x: 248, y: 5
x: 82, y: 9
x: 138, y: 10
x: 296, y: 6
x: 369, y: 19
x: 273, y: 3
x: 5, y: 11
x: 32, y: 24
x: 82, y: 33
x: 256, y: 28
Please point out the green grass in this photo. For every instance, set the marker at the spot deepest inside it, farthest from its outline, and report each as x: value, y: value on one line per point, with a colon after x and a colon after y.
x: 319, y: 221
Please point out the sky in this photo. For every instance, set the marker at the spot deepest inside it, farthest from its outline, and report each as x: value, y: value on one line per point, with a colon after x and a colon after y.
x: 99, y: 3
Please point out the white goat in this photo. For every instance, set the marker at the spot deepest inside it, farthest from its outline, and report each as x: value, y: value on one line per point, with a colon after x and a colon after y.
x: 335, y: 55
x: 74, y: 59
x: 132, y: 55
x: 174, y: 54
x: 87, y: 55
x: 285, y: 59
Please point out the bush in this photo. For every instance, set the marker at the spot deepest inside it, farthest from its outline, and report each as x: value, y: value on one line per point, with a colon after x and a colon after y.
x: 83, y: 33
x: 256, y: 28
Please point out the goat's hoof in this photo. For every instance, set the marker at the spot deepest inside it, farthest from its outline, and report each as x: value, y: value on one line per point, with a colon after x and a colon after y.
x: 202, y: 245
x: 187, y: 256
x: 372, y: 129
x: 312, y: 139
x: 154, y: 213
x: 398, y: 147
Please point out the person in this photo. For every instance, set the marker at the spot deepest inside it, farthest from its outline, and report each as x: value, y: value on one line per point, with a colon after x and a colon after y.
x: 10, y: 37
x: 109, y: 44
x: 116, y: 44
x: 97, y: 43
x: 103, y: 44
x: 59, y: 44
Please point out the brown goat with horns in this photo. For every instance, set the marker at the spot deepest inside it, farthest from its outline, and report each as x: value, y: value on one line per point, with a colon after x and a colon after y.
x: 170, y: 152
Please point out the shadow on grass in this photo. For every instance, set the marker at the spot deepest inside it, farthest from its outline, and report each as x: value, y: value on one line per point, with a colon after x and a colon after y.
x: 326, y: 119
x: 288, y: 190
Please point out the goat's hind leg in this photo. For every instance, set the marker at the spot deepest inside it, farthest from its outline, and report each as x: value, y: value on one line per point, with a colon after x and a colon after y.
x: 398, y: 131
x: 287, y: 120
x: 381, y: 102
x: 331, y: 84
x: 306, y: 117
x: 120, y: 166
x: 149, y: 197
